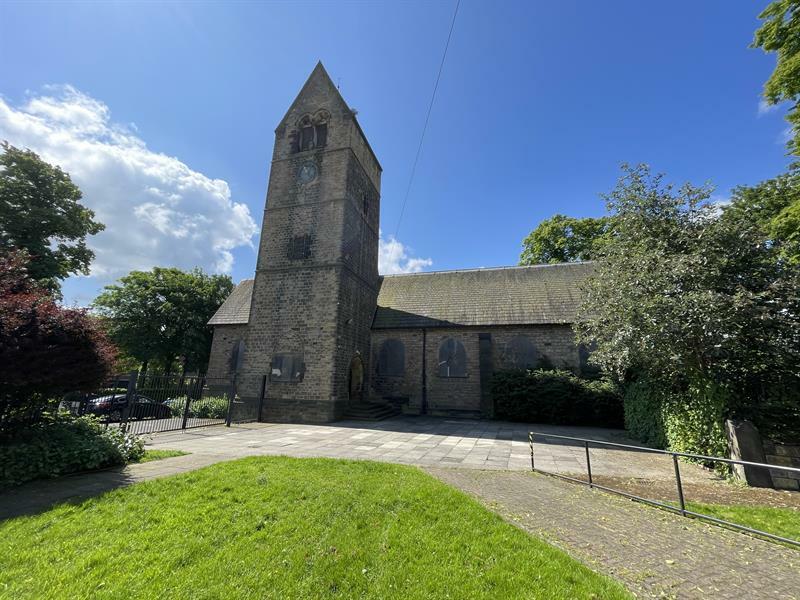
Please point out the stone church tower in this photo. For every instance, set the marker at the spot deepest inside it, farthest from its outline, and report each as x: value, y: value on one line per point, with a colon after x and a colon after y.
x: 316, y: 282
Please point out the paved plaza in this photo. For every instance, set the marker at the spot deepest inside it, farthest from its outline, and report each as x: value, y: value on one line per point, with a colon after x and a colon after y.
x: 429, y: 441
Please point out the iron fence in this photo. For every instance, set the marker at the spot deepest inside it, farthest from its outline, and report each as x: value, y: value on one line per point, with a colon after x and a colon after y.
x: 156, y: 403
x: 679, y: 488
x: 171, y: 402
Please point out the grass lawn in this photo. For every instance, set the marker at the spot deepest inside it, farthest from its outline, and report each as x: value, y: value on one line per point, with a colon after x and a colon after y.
x: 275, y: 527
x: 150, y: 455
x: 778, y: 521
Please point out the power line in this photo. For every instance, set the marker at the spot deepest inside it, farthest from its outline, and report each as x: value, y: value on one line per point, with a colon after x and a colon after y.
x: 427, y: 118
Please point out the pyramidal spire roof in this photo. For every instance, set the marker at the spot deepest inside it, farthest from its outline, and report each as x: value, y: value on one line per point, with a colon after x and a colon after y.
x: 317, y: 80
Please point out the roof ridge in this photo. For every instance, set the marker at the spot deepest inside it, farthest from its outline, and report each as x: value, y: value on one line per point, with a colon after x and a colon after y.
x: 479, y: 269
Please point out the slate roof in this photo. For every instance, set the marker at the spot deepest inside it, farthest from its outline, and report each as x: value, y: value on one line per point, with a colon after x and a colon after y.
x: 536, y: 295
x: 236, y: 308
x: 541, y: 294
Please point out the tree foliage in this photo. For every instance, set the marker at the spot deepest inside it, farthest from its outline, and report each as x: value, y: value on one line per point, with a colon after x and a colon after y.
x: 775, y: 206
x: 780, y: 33
x: 161, y: 316
x: 564, y: 239
x: 45, y: 350
x: 41, y: 213
x: 694, y: 301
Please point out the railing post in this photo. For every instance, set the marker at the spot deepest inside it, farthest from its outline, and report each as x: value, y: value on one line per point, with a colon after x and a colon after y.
x: 588, y: 463
x: 186, y: 410
x: 261, y: 397
x: 231, y: 396
x: 680, y: 485
x: 530, y: 441
x: 130, y: 399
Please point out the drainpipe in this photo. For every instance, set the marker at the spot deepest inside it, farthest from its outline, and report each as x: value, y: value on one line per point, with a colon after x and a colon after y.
x: 424, y: 410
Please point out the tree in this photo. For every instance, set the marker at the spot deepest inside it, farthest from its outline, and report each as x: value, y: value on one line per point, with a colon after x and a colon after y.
x: 703, y: 305
x: 780, y: 33
x: 564, y: 239
x: 161, y: 316
x: 45, y: 350
x: 41, y: 213
x: 775, y: 205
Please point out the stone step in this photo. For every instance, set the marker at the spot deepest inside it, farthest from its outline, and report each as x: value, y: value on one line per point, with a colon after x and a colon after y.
x: 368, y: 411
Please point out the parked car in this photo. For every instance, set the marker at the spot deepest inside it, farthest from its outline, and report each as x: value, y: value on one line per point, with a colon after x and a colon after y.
x: 113, y: 407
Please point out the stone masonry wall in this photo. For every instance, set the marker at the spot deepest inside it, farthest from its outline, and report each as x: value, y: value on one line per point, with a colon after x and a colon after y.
x: 460, y: 395
x: 225, y: 337
x: 785, y: 455
x: 317, y: 302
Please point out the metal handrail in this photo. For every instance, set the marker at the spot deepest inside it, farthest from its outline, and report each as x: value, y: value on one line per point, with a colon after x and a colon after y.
x: 682, y: 510
x: 732, y: 461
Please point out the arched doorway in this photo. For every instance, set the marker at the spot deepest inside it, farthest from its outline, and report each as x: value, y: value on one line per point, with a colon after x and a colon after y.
x: 356, y: 387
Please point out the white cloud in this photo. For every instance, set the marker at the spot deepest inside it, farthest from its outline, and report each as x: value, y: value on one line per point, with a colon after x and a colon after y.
x: 157, y: 210
x: 393, y: 258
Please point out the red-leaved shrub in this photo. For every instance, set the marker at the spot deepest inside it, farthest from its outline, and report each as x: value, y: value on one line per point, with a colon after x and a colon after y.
x: 46, y: 350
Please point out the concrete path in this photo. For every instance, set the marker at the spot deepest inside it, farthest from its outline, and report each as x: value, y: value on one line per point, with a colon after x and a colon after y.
x: 654, y: 553
x: 38, y: 496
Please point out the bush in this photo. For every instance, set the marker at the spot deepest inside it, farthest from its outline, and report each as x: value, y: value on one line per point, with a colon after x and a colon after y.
x: 644, y: 418
x: 62, y: 444
x: 694, y: 421
x: 210, y: 407
x: 555, y: 397
x: 45, y: 350
x: 690, y: 420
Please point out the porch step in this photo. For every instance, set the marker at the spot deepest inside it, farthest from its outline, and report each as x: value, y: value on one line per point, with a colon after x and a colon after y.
x: 371, y: 411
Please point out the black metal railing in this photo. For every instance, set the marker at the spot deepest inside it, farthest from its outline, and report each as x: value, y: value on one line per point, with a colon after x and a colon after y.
x: 171, y: 402
x: 681, y: 508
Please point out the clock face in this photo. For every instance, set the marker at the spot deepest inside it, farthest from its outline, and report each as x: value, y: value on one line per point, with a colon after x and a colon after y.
x: 307, y: 173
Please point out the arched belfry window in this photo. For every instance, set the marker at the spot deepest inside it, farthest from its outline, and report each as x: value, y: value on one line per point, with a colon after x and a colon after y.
x: 452, y: 358
x: 392, y: 358
x: 312, y: 131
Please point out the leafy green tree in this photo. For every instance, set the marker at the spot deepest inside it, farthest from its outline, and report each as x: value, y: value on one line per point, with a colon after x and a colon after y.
x: 780, y: 33
x: 775, y: 205
x: 564, y: 239
x: 703, y: 305
x: 161, y: 316
x: 41, y: 213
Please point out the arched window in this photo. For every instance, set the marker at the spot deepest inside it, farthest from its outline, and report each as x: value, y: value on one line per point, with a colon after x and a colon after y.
x: 452, y: 358
x: 392, y: 359
x: 237, y: 356
x: 312, y: 131
x: 520, y: 353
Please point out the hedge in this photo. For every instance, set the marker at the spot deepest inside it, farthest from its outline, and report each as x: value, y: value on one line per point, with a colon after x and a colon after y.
x: 555, y: 397
x: 691, y: 419
x: 62, y: 444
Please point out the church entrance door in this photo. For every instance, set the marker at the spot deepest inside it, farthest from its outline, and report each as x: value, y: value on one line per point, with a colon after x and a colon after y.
x: 356, y: 388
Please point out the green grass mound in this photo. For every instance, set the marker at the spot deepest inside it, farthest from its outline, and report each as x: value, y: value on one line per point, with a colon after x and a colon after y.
x: 784, y: 522
x: 275, y: 527
x: 151, y: 455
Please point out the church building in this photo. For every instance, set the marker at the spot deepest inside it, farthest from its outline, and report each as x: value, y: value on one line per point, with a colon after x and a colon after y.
x: 317, y: 335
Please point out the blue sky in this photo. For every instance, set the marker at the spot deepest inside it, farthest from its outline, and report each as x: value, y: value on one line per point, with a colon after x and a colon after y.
x: 538, y: 104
